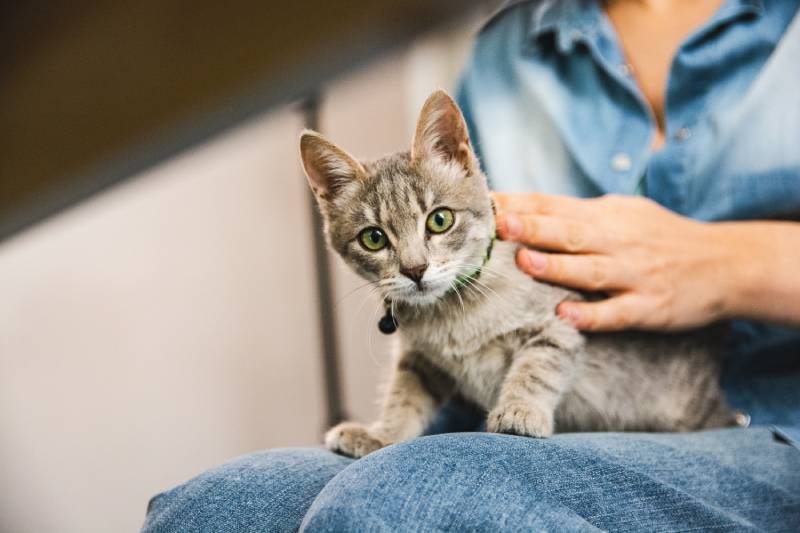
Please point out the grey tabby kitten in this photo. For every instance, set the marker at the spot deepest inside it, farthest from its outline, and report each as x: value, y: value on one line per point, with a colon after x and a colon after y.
x: 420, y: 226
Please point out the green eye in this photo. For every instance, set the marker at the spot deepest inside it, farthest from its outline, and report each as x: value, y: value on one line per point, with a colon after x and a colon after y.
x: 373, y: 239
x: 440, y: 220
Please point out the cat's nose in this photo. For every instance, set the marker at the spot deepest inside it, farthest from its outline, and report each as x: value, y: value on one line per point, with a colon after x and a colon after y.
x: 414, y: 273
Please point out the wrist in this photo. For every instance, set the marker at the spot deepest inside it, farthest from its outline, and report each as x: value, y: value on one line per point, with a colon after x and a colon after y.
x: 744, y: 264
x: 756, y: 270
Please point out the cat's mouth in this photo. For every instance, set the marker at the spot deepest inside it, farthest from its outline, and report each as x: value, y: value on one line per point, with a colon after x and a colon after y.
x: 422, y: 292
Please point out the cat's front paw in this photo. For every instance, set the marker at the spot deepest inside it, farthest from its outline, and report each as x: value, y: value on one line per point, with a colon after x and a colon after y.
x: 353, y: 439
x: 520, y: 419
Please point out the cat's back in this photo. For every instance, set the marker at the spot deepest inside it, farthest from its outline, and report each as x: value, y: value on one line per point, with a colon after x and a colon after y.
x: 647, y: 382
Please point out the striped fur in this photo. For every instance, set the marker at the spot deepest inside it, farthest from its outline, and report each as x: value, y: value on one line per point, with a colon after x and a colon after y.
x: 495, y: 341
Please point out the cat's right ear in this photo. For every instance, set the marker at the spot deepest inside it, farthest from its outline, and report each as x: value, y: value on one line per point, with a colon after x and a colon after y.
x: 442, y: 133
x: 327, y: 167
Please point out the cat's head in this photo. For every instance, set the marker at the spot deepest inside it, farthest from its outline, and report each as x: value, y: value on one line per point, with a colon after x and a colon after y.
x: 413, y: 222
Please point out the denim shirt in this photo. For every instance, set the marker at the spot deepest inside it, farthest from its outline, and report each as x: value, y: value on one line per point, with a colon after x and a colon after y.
x: 552, y: 107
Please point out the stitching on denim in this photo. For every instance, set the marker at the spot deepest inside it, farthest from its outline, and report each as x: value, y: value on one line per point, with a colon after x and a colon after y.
x: 702, y: 528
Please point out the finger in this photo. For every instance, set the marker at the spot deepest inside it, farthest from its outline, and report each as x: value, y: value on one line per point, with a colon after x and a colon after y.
x: 552, y: 233
x: 591, y: 272
x: 542, y: 204
x: 614, y: 314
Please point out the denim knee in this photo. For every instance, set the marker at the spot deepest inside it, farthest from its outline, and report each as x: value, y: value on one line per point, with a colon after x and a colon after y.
x: 273, y: 487
x: 571, y: 482
x: 445, y: 482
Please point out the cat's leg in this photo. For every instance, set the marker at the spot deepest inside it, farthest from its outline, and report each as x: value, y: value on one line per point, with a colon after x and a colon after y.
x: 412, y: 397
x: 539, y: 374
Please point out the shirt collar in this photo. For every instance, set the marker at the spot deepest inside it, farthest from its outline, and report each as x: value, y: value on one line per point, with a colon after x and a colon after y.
x: 568, y: 20
x: 572, y: 21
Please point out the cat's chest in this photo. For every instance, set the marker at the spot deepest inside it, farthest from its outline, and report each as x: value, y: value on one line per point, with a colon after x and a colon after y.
x: 456, y: 332
x: 477, y: 373
x: 448, y: 341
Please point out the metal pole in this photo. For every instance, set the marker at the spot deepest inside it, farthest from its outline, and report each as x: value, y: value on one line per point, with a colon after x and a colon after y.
x: 327, y: 318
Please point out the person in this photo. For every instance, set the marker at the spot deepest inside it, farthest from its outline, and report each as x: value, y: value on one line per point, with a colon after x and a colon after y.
x: 662, y: 140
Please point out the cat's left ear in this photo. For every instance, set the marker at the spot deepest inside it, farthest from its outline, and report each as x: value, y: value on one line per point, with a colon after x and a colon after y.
x: 442, y: 133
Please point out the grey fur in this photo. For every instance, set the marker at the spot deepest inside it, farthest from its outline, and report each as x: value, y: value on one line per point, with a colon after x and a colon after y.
x: 496, y: 339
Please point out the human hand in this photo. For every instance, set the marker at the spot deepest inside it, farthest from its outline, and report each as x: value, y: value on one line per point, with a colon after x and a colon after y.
x: 661, y: 271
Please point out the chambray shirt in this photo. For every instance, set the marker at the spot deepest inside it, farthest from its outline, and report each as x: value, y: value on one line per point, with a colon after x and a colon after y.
x: 552, y: 107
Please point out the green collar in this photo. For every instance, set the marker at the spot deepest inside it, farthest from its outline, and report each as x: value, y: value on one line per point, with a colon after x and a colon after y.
x: 465, y: 279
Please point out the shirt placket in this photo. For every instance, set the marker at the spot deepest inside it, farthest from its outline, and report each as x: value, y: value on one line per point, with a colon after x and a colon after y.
x: 627, y: 157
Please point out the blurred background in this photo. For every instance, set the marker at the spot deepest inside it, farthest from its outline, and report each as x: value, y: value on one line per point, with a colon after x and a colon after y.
x: 164, y: 315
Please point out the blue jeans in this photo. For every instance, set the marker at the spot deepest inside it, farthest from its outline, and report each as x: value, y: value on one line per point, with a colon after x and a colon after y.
x: 720, y: 480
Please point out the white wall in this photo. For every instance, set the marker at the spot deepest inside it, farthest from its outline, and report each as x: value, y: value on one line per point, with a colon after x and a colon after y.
x: 157, y: 330
x: 170, y: 323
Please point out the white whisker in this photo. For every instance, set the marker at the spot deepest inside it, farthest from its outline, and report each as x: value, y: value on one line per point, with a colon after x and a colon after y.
x: 371, y: 331
x: 461, y: 300
x: 477, y: 281
x: 373, y: 291
x: 470, y: 282
x: 490, y: 270
x: 353, y: 291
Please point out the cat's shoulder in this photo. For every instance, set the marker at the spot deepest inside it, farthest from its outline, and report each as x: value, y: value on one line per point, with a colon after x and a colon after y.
x: 504, y: 266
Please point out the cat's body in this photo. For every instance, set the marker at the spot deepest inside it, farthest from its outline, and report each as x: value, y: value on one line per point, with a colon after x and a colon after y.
x: 617, y: 382
x: 420, y: 225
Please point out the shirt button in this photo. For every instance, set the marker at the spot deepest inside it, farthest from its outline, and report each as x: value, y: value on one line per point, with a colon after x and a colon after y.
x: 683, y: 134
x: 626, y: 69
x: 742, y: 419
x: 621, y: 162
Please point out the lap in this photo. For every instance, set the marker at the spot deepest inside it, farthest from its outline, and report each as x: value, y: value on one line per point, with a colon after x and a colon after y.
x: 263, y: 491
x: 732, y: 479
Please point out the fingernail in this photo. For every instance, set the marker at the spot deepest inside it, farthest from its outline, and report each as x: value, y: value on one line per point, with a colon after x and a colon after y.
x: 536, y: 261
x: 569, y: 313
x: 513, y: 226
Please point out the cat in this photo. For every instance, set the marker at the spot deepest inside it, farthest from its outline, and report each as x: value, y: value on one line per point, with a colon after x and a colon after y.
x: 419, y: 225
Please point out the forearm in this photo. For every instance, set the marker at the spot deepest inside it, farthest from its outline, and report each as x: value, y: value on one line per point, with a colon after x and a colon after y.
x: 765, y: 284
